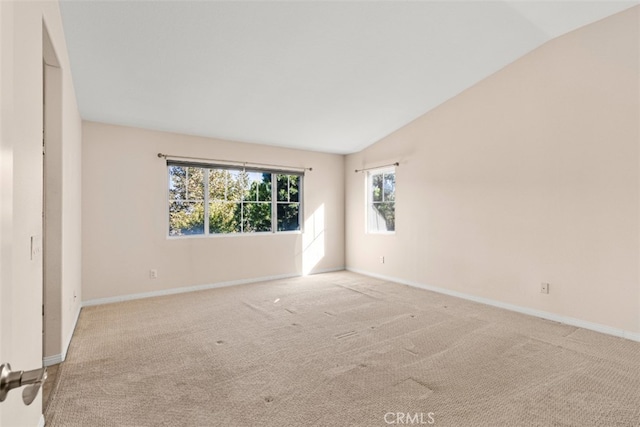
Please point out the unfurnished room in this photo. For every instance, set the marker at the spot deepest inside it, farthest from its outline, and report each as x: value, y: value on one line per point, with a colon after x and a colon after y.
x: 319, y: 213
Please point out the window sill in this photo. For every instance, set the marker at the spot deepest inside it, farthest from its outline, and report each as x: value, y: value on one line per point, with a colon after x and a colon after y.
x: 215, y: 236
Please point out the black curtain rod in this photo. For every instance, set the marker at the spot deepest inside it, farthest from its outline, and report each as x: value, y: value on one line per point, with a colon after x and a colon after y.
x: 234, y: 163
x: 377, y: 167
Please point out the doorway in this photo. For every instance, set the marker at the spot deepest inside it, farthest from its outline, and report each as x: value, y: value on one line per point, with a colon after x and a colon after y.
x: 52, y: 164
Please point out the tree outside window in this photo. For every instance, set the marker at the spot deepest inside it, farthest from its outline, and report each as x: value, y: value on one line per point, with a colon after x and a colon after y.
x: 209, y: 201
x: 381, y: 201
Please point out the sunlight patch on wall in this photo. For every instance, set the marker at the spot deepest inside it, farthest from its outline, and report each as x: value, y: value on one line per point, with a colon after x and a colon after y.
x: 313, y: 240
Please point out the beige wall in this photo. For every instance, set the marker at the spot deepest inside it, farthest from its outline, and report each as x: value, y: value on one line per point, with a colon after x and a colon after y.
x: 62, y: 186
x: 62, y: 180
x: 530, y: 176
x: 125, y: 216
x: 21, y: 119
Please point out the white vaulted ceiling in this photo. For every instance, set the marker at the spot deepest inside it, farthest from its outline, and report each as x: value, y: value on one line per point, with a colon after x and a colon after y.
x: 324, y: 76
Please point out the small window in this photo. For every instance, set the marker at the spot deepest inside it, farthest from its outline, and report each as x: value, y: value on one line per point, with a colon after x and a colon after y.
x: 381, y: 201
x: 213, y: 201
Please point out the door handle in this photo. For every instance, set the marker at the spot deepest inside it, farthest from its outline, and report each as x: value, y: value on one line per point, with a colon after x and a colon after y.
x: 13, y: 379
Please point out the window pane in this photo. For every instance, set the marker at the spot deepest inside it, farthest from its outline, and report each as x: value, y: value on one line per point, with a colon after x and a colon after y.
x: 283, y: 188
x: 265, y: 188
x: 224, y: 217
x: 237, y: 201
x: 256, y: 217
x: 237, y: 182
x: 177, y: 183
x: 186, y: 218
x: 218, y: 184
x: 376, y: 188
x: 294, y: 188
x: 258, y: 187
x: 381, y: 203
x: 382, y: 216
x: 195, y: 183
x: 389, y: 187
x: 288, y: 216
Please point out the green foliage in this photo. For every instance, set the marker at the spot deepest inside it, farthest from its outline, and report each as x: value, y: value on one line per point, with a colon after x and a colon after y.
x: 288, y: 216
x: 239, y: 201
x: 256, y: 216
x: 186, y: 206
x: 383, y: 196
x: 387, y: 211
x: 288, y: 207
x: 224, y: 217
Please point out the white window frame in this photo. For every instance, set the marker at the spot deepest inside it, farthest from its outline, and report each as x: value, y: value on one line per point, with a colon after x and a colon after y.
x: 369, y: 202
x: 274, y: 202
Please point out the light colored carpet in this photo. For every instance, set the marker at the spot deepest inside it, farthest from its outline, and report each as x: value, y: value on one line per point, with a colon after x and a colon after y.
x: 338, y: 349
x: 49, y: 384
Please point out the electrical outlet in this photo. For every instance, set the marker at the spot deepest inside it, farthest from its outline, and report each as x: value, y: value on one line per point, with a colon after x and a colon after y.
x: 382, y: 259
x: 153, y: 274
x: 544, y: 288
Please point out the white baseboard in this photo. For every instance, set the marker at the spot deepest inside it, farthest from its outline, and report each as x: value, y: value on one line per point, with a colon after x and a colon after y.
x: 519, y: 309
x: 52, y: 360
x: 59, y: 358
x: 41, y: 421
x: 172, y: 291
x: 326, y: 270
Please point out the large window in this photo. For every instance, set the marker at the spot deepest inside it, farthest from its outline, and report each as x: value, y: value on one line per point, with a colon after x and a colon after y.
x: 381, y: 201
x: 215, y: 200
